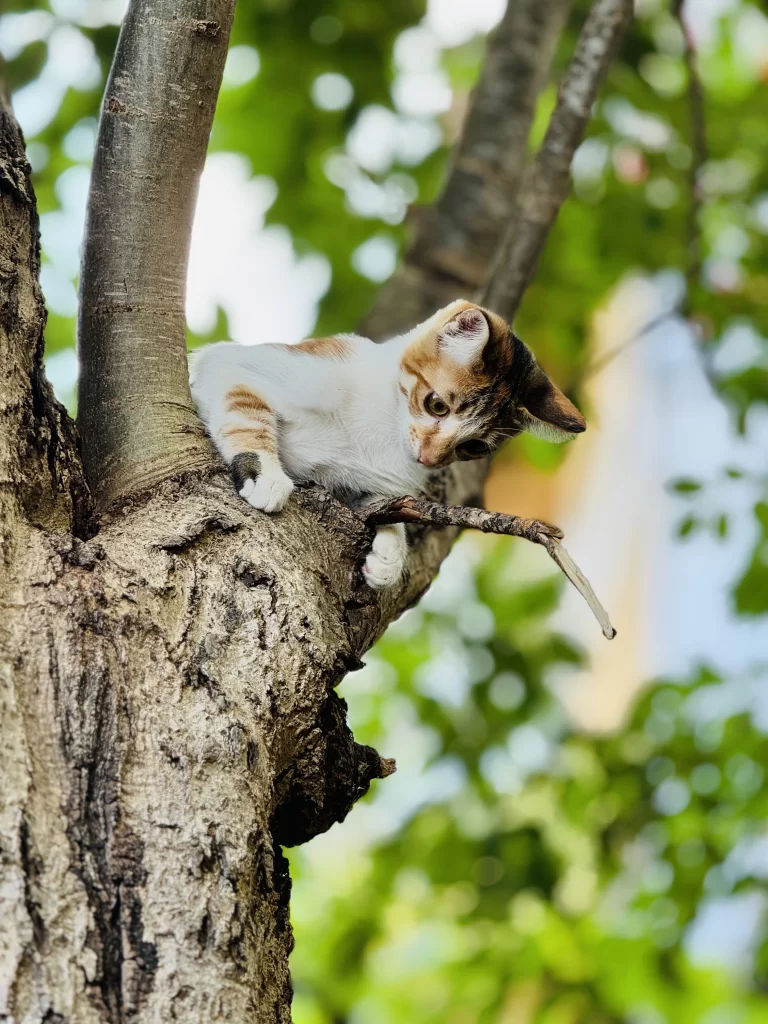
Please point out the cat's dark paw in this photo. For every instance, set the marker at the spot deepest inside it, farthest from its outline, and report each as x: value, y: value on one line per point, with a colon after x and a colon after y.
x: 244, y: 467
x: 260, y: 479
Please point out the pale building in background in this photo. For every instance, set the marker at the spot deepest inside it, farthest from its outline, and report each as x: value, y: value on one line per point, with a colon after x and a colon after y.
x: 653, y: 417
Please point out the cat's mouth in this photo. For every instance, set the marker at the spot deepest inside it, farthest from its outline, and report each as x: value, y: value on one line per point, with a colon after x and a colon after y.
x: 430, y: 456
x: 431, y: 459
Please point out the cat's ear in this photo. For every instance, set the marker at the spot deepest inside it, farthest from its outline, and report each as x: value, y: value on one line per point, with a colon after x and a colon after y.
x: 464, y: 336
x: 546, y: 412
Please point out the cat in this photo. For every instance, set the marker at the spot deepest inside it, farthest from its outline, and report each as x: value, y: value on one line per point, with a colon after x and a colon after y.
x: 367, y: 420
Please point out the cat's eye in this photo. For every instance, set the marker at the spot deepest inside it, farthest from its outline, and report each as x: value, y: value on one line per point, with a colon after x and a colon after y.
x: 435, y: 406
x: 473, y: 449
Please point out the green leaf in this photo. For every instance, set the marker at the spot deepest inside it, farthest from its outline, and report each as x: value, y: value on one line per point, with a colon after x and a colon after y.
x: 685, y: 485
x: 687, y: 526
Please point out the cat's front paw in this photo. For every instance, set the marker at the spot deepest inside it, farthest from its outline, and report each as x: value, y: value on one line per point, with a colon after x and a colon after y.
x: 269, y: 491
x: 385, y: 564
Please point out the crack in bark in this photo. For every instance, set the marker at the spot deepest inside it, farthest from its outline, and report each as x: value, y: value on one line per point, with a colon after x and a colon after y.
x: 184, y: 539
x: 330, y: 775
x: 31, y: 866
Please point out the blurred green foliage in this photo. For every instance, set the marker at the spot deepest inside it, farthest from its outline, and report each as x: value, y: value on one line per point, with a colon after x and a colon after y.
x: 557, y: 878
x: 540, y: 874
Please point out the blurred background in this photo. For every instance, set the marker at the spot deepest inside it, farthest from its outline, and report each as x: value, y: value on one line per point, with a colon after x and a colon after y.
x: 576, y: 833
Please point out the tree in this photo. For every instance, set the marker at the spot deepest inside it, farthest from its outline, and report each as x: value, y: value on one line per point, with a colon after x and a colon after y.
x: 169, y: 658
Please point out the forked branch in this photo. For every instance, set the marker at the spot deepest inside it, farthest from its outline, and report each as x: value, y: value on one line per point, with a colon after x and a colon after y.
x: 456, y: 238
x: 428, y: 513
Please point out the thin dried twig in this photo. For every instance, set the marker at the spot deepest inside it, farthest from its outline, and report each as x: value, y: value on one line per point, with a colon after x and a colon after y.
x: 414, y: 510
x: 546, y: 183
x: 599, y: 364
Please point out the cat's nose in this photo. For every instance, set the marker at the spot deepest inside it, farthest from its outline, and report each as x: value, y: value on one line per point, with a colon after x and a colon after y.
x: 427, y: 460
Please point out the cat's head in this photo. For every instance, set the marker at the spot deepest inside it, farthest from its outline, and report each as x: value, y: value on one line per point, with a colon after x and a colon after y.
x: 470, y: 383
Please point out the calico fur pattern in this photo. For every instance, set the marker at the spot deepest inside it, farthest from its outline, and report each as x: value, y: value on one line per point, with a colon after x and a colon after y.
x: 367, y: 420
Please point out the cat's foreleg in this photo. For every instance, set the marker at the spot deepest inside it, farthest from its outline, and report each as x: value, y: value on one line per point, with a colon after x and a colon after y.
x: 385, y: 565
x: 247, y: 437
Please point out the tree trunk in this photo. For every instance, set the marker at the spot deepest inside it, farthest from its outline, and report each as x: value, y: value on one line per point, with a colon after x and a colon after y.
x: 167, y: 669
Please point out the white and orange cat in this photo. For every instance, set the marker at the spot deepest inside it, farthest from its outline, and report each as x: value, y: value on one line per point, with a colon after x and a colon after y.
x: 369, y: 420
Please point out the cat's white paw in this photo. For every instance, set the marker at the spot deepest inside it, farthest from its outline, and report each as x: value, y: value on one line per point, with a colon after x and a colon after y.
x: 385, y: 564
x: 247, y: 489
x: 269, y: 491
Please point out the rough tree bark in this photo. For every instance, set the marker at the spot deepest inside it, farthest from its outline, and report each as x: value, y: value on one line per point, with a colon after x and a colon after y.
x: 168, y: 662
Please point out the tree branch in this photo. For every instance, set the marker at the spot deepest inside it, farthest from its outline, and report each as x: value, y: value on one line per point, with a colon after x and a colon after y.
x: 135, y: 411
x: 412, y: 510
x: 543, y: 190
x: 693, y: 254
x: 546, y: 183
x: 421, y: 284
x: 699, y: 155
x: 42, y: 478
x: 456, y: 238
